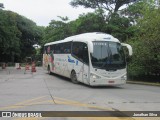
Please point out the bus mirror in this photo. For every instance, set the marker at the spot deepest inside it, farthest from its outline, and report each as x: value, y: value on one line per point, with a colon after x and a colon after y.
x: 130, y: 52
x: 90, y: 46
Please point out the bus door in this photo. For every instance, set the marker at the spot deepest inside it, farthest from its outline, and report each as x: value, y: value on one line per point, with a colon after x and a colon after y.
x: 77, y: 49
x: 85, y: 73
x: 80, y: 52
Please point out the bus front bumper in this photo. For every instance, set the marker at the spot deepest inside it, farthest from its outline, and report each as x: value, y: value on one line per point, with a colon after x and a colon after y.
x: 107, y: 82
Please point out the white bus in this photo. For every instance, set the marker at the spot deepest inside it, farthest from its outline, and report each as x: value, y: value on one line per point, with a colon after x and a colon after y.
x: 95, y: 59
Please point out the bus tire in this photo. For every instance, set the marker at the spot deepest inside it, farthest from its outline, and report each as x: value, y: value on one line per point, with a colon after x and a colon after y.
x: 49, y: 70
x: 74, y: 77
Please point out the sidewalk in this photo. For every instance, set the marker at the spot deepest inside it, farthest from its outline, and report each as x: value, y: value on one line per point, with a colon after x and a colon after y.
x: 143, y: 83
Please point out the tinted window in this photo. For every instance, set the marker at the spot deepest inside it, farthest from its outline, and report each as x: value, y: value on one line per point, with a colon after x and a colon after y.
x: 52, y: 48
x: 80, y: 51
x: 100, y: 52
x: 67, y: 47
x: 57, y: 48
x: 107, y: 55
x: 61, y: 48
x: 77, y: 50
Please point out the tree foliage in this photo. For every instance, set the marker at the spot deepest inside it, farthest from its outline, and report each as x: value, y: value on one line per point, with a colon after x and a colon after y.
x: 9, y: 35
x: 60, y: 29
x: 136, y: 11
x: 90, y: 22
x: 146, y: 45
x: 107, y: 5
x: 17, y: 36
x: 30, y: 35
x: 57, y: 30
x: 118, y: 26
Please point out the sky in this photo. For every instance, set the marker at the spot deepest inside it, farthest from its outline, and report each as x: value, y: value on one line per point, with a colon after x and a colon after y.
x: 43, y: 11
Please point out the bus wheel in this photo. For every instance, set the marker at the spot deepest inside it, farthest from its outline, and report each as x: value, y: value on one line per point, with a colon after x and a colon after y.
x: 74, y: 77
x: 49, y: 70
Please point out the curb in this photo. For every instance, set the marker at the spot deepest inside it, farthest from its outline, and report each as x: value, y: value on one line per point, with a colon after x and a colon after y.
x: 143, y: 83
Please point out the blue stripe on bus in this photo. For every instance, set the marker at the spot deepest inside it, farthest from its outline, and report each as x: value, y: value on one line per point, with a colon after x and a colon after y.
x: 70, y: 60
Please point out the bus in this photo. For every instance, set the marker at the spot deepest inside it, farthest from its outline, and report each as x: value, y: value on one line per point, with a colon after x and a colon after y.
x: 95, y: 59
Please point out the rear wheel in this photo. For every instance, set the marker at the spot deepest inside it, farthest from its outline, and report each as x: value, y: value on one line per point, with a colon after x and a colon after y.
x: 74, y: 77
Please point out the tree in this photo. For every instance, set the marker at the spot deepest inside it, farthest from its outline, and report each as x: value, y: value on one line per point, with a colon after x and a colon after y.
x: 17, y: 36
x: 57, y: 30
x: 9, y: 36
x: 146, y: 45
x: 30, y: 35
x: 135, y: 11
x: 90, y: 22
x: 108, y: 5
x: 114, y: 22
x: 118, y: 26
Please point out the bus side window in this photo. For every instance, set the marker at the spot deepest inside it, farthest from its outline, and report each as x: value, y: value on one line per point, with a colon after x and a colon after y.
x: 77, y: 50
x: 61, y: 48
x: 57, y: 49
x: 67, y: 47
x: 48, y: 50
x: 80, y: 51
x: 52, y: 48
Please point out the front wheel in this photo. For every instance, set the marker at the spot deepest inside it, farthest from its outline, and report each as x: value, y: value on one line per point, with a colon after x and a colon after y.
x: 74, y: 77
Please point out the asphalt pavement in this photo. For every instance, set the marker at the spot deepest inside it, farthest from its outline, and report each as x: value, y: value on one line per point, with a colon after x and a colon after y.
x: 39, y: 91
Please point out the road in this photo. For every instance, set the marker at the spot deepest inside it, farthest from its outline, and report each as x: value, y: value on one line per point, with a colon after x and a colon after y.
x: 42, y: 92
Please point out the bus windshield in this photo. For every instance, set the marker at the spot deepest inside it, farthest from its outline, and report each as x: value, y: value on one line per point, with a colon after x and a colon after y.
x: 108, y: 55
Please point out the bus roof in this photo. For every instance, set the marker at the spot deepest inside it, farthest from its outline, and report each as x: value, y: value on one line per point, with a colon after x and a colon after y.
x: 93, y: 36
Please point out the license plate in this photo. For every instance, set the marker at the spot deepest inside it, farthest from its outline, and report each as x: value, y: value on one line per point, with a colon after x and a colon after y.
x: 110, y: 81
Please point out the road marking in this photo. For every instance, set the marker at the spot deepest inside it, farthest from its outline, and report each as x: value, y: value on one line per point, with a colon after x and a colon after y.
x: 30, y: 100
x: 75, y: 103
x: 21, y: 104
x: 38, y: 101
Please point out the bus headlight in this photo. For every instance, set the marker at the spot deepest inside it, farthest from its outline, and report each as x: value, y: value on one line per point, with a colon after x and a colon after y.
x: 95, y: 76
x: 124, y: 77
